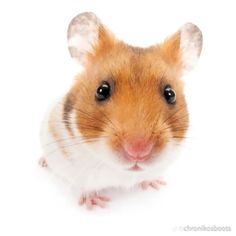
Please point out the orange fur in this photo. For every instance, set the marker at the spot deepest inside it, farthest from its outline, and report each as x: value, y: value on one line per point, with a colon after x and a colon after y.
x: 136, y: 106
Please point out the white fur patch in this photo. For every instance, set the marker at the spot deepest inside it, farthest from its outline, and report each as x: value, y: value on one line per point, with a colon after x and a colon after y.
x: 191, y: 45
x: 94, y: 166
x: 83, y: 36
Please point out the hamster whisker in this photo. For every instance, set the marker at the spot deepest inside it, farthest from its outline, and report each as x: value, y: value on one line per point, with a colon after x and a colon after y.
x: 180, y: 137
x: 158, y: 119
x: 73, y: 123
x: 160, y: 129
x: 109, y: 120
x: 177, y: 128
x: 172, y: 115
x: 179, y: 118
x: 73, y: 139
x: 73, y: 144
x: 102, y: 113
x: 175, y: 143
x: 91, y: 118
x: 87, y: 114
x: 85, y: 127
x: 169, y: 126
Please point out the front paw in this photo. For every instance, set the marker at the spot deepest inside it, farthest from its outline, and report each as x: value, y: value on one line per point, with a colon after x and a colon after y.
x: 93, y: 200
x: 42, y: 162
x: 156, y: 184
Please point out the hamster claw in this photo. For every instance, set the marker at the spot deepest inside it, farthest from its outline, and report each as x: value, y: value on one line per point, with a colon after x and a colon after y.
x: 156, y: 184
x: 42, y: 162
x: 93, y: 199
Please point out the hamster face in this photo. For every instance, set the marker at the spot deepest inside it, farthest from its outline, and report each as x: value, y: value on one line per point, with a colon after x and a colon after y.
x: 129, y: 101
x: 123, y: 98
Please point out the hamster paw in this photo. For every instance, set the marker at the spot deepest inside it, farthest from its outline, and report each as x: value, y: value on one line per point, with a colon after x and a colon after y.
x: 156, y: 184
x: 42, y: 162
x: 93, y: 199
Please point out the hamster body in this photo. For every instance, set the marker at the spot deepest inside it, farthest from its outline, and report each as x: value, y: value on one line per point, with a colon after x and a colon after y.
x: 121, y: 123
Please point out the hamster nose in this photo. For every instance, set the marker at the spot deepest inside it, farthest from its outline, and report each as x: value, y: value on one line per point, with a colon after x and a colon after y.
x: 137, y: 149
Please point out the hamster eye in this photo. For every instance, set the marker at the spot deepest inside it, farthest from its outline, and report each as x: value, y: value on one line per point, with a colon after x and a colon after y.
x: 169, y: 95
x: 103, y: 91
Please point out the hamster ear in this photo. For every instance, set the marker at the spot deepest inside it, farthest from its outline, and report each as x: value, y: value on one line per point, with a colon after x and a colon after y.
x: 86, y: 35
x: 184, y: 47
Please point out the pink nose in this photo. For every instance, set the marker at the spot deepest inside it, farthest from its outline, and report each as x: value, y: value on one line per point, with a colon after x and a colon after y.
x: 137, y: 149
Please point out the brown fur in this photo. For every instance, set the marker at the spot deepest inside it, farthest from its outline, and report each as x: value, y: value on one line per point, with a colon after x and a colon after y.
x: 136, y: 107
x: 67, y: 110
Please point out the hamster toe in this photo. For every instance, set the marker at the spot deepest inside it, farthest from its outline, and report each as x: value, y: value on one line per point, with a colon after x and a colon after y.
x: 42, y: 162
x: 94, y: 199
x: 156, y: 184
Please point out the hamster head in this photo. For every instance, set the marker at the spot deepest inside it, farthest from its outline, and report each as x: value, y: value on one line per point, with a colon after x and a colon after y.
x: 128, y: 102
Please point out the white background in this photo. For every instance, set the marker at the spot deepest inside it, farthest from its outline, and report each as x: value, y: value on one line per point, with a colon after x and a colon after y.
x: 35, y: 69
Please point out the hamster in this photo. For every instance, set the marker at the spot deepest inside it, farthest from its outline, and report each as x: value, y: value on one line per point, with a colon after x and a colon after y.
x: 122, y: 122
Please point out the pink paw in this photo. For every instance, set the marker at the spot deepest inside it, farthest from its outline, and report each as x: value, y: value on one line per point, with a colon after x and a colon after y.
x: 153, y: 183
x: 42, y: 162
x: 93, y: 199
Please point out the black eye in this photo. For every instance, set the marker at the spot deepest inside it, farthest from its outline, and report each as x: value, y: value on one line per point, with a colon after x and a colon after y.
x: 169, y: 95
x: 103, y: 91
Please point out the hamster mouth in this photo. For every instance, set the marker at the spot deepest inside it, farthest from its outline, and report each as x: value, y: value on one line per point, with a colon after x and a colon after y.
x: 135, y: 167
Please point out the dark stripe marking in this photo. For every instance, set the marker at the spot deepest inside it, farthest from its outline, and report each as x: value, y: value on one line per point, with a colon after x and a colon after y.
x: 67, y: 110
